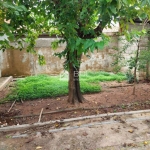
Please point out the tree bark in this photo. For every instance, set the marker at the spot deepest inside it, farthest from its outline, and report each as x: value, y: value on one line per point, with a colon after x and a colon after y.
x: 75, y: 95
x: 147, y: 70
x: 136, y: 64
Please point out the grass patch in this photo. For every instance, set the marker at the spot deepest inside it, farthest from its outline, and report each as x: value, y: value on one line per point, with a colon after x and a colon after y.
x: 42, y: 86
x: 103, y: 76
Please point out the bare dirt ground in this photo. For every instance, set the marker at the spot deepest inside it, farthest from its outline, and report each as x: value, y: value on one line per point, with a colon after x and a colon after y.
x: 130, y: 134
x: 115, y: 97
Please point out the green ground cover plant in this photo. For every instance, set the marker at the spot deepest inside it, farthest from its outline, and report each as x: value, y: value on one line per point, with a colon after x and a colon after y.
x: 101, y: 76
x: 42, y: 86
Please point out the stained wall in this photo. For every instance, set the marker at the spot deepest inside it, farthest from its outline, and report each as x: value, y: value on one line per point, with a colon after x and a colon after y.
x: 20, y: 63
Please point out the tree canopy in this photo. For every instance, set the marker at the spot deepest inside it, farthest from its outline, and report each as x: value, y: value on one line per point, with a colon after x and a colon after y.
x: 73, y: 19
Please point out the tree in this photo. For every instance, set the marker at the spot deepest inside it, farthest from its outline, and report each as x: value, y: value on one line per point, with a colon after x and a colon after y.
x: 78, y: 22
x: 135, y: 37
x: 7, y: 29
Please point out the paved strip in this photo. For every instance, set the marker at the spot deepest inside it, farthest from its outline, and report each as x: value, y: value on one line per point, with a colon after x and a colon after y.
x: 135, y: 115
x: 4, y: 81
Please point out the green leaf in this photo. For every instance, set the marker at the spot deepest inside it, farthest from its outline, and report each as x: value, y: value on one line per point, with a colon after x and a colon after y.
x: 125, y: 2
x: 8, y: 5
x: 21, y: 8
x: 108, y: 1
x: 2, y: 34
x: 119, y: 4
x: 144, y: 2
x: 131, y: 21
x: 54, y: 44
x: 11, y: 37
x: 17, y: 13
x: 78, y: 42
x: 144, y: 31
x: 143, y: 16
x: 88, y: 43
x: 113, y: 9
x: 100, y: 45
x: 41, y: 59
x: 92, y: 48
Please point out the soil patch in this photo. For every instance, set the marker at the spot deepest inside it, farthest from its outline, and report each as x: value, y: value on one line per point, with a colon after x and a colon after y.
x: 115, y: 97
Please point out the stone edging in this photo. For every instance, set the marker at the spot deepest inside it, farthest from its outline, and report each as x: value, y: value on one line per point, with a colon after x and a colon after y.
x: 4, y: 84
x: 39, y: 124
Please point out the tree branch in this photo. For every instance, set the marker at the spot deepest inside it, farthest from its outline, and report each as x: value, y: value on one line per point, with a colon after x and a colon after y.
x: 97, y: 32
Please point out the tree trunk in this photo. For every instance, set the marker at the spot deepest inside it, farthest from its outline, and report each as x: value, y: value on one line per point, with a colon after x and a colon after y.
x: 147, y: 71
x: 136, y: 64
x: 75, y: 95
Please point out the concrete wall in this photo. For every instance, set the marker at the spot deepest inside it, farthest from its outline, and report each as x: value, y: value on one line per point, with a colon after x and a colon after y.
x: 132, y: 48
x: 102, y: 59
x: 0, y: 62
x: 2, y: 38
x: 16, y: 63
x: 130, y: 53
x: 21, y: 63
x: 127, y: 52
